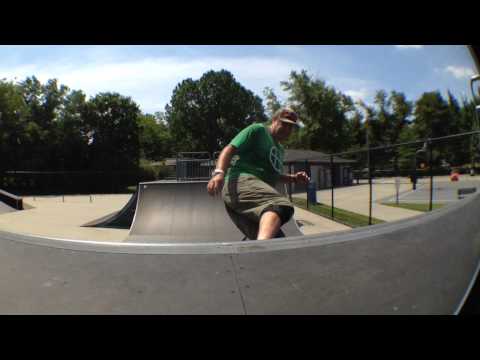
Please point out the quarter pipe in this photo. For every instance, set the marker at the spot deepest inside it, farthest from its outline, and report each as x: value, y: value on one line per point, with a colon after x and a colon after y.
x: 176, y: 212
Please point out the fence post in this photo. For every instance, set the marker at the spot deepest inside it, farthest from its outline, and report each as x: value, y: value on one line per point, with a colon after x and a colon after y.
x: 176, y: 167
x: 290, y: 183
x: 397, y: 179
x: 430, y: 161
x: 306, y: 185
x: 332, y: 178
x: 370, y: 157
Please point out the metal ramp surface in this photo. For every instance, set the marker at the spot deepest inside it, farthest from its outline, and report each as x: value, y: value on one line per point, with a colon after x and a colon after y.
x: 184, y: 212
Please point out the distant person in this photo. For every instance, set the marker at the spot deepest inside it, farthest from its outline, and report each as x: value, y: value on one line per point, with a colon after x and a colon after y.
x: 455, y: 175
x: 413, y: 180
x: 248, y: 182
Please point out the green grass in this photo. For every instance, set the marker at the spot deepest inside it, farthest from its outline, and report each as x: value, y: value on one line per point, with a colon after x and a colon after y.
x: 342, y: 216
x: 417, y: 207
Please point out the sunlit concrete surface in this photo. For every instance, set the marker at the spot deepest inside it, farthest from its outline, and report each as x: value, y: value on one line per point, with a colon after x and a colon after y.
x: 311, y: 224
x: 63, y: 217
x: 355, y: 198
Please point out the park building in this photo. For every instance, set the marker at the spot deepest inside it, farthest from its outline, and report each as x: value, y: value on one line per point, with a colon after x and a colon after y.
x: 316, y: 163
x: 319, y: 166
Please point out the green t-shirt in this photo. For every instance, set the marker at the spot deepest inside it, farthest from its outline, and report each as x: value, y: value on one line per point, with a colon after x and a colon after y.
x: 258, y: 154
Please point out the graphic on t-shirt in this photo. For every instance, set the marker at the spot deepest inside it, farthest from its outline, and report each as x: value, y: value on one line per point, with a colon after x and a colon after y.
x: 258, y: 155
x: 234, y: 160
x: 275, y: 159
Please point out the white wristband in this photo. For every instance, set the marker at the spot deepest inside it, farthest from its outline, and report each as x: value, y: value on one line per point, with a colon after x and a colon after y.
x: 218, y: 171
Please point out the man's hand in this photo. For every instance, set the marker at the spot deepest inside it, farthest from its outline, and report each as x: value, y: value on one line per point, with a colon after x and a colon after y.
x: 215, y: 184
x: 301, y: 177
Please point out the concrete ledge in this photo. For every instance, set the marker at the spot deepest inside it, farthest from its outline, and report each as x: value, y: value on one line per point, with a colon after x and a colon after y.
x: 14, y: 201
x: 465, y: 191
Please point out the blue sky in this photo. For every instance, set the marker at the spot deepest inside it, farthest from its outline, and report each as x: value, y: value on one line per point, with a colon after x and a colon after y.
x: 149, y: 74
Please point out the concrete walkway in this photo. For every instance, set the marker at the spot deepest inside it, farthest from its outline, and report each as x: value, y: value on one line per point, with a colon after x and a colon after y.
x: 311, y: 223
x: 54, y: 216
x: 355, y: 199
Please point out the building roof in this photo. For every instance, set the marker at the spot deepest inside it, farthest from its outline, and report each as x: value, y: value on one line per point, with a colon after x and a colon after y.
x: 300, y: 155
x: 296, y: 156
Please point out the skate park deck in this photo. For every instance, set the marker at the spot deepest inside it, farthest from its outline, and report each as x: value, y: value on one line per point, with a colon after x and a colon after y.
x: 424, y: 265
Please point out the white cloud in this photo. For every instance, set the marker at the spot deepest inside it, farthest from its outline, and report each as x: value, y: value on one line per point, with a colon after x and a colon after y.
x: 361, y: 94
x: 150, y: 82
x: 459, y: 72
x: 409, y: 46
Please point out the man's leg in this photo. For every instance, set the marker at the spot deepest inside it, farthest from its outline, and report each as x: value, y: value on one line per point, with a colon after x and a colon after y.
x: 248, y: 227
x: 269, y: 226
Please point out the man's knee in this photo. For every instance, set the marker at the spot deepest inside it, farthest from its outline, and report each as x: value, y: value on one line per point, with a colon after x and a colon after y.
x: 284, y: 212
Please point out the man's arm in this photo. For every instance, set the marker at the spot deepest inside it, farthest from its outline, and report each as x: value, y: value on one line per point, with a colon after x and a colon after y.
x: 287, y: 178
x: 225, y: 158
x: 299, y: 177
x: 216, y: 183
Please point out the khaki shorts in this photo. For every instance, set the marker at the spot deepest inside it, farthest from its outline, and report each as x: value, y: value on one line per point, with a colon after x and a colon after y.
x: 246, y: 198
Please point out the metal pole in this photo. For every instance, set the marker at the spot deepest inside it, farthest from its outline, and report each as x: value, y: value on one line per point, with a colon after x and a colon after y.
x: 430, y: 164
x: 306, y: 185
x: 397, y: 177
x: 367, y: 140
x: 371, y: 190
x: 414, y: 173
x: 64, y: 184
x: 176, y: 167
x: 289, y: 183
x: 369, y: 169
x: 474, y: 140
x: 332, y: 177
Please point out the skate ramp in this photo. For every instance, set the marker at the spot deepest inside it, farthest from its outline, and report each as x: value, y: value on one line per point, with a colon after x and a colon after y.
x: 424, y: 265
x: 183, y: 212
x: 4, y: 208
x: 121, y: 219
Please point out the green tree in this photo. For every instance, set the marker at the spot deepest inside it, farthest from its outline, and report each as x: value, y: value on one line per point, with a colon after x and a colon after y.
x: 155, y: 139
x: 323, y: 110
x: 112, y: 123
x: 457, y: 150
x: 205, y: 114
x: 392, y: 114
x: 73, y: 139
x: 45, y: 104
x: 400, y: 117
x: 387, y: 117
x: 14, y: 113
x: 357, y: 130
x: 469, y: 148
x: 273, y: 103
x: 432, y: 116
x: 406, y: 153
x: 432, y: 119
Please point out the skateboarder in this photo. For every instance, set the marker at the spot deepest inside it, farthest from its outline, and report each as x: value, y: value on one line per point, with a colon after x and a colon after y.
x: 246, y: 174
